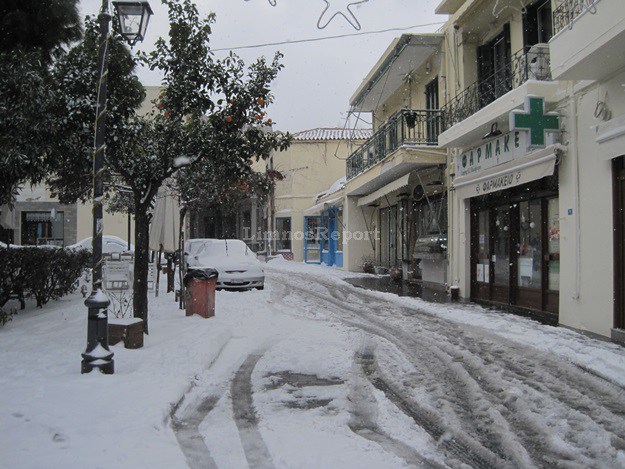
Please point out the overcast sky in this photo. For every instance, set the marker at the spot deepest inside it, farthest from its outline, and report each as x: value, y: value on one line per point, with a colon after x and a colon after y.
x: 314, y: 88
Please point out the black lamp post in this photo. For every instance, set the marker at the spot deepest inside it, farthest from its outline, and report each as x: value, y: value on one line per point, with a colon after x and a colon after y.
x: 133, y: 20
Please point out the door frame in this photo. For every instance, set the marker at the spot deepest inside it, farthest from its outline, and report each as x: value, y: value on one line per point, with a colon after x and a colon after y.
x: 319, y: 247
x: 517, y: 296
x: 618, y: 195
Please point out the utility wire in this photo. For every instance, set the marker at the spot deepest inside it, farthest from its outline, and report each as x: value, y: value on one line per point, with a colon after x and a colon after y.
x: 317, y: 39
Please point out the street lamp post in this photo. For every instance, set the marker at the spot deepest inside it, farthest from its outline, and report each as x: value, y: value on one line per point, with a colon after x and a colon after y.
x: 133, y: 20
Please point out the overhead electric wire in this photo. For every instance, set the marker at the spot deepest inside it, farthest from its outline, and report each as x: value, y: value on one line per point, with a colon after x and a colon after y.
x: 326, y: 38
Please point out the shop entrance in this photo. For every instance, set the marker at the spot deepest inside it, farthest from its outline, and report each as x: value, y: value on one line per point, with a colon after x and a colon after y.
x: 388, y: 236
x: 313, y: 240
x: 619, y: 242
x: 491, y: 256
x: 515, y: 258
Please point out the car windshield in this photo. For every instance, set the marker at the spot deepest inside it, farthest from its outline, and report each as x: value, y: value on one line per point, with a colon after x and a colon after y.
x: 221, y: 248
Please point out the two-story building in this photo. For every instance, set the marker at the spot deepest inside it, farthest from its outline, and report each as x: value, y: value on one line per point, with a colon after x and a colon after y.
x: 501, y: 126
x: 394, y: 200
x: 532, y: 124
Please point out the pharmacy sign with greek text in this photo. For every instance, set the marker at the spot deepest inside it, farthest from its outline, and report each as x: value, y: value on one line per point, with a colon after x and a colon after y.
x: 531, y: 128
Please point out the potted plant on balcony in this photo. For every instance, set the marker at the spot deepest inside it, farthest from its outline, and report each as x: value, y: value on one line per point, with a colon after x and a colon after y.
x: 411, y: 119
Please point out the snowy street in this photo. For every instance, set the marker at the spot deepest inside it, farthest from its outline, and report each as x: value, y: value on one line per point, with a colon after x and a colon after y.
x: 312, y: 372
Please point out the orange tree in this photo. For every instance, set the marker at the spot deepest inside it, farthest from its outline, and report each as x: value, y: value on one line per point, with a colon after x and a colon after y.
x: 211, y: 112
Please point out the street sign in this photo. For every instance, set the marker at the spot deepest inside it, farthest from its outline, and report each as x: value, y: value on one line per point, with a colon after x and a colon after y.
x: 117, y: 271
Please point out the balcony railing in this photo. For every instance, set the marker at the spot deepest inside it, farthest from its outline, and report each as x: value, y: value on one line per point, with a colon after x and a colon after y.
x: 530, y: 63
x: 405, y: 128
x: 564, y: 14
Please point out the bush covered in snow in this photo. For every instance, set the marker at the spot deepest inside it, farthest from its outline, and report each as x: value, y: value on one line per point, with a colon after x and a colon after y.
x: 41, y: 273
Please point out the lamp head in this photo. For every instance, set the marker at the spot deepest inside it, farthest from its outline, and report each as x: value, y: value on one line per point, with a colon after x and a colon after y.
x: 133, y: 17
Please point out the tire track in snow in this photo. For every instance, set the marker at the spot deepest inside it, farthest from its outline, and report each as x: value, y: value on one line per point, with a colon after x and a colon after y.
x: 540, y: 375
x: 185, y: 422
x: 245, y: 417
x: 465, y: 451
x: 513, y: 417
x: 189, y: 438
x: 481, y: 455
x: 487, y: 366
x: 456, y: 383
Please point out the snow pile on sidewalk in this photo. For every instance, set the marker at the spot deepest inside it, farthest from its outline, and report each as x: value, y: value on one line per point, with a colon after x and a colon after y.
x: 52, y: 416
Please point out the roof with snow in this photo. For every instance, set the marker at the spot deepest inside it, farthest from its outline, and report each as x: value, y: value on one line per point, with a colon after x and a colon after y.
x: 333, y: 133
x: 335, y: 187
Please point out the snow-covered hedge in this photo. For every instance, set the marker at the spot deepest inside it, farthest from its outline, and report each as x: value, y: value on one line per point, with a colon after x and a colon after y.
x: 41, y: 273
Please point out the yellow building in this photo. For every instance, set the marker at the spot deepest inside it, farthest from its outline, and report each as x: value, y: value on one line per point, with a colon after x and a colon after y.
x: 314, y: 161
x: 394, y: 199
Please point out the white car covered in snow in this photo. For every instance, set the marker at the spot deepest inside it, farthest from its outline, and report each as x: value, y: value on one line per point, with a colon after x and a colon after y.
x: 237, y: 265
x: 110, y: 244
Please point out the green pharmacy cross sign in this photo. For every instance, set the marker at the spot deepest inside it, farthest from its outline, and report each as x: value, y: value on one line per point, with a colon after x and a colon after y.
x: 535, y: 120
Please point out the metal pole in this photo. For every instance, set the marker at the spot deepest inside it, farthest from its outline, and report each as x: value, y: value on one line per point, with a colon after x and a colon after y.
x: 97, y: 354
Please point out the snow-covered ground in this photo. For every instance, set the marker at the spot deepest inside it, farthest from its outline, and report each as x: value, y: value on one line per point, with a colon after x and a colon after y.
x: 311, y: 372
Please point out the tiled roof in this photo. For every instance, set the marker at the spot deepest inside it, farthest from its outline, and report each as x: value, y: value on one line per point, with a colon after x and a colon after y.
x: 333, y: 134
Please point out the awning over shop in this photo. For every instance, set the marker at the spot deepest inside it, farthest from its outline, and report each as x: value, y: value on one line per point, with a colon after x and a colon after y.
x: 391, y: 187
x: 515, y: 173
x: 405, y: 54
x: 317, y: 209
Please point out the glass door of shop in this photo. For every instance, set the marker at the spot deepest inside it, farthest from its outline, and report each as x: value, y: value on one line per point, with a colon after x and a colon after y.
x: 388, y: 236
x: 500, y: 257
x: 529, y: 255
x: 480, y: 258
x: 515, y: 256
x: 313, y: 242
x: 491, y: 256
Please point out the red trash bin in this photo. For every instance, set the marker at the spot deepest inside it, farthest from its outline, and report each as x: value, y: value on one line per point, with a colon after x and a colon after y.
x: 200, y: 292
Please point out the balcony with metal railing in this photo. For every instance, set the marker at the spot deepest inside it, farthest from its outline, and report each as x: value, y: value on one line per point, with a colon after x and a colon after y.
x: 565, y: 14
x: 530, y: 63
x: 407, y: 128
x: 588, y: 39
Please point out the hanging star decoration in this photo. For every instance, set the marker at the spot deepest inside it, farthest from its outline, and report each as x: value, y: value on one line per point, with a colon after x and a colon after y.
x: 271, y: 2
x: 339, y: 7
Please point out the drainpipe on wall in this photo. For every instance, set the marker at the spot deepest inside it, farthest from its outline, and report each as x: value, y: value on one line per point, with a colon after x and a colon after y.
x: 451, y: 274
x: 574, y: 154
